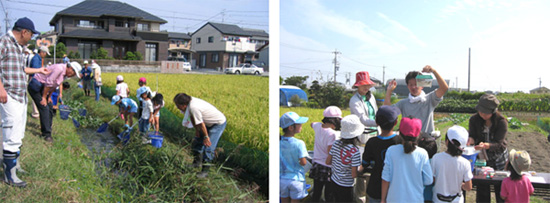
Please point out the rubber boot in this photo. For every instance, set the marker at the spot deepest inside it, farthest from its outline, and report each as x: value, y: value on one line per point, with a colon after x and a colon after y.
x: 197, y: 160
x: 204, y: 171
x: 18, y: 166
x: 10, y: 176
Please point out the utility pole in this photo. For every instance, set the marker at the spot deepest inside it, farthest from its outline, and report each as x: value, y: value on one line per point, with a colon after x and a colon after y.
x: 540, y: 82
x: 469, y: 52
x: 456, y: 84
x: 348, y: 78
x: 7, y: 22
x: 336, y: 64
x: 383, y: 74
x: 223, y: 15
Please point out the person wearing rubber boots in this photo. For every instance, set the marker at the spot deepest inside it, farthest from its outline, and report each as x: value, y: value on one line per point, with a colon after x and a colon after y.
x: 363, y: 105
x: 13, y: 95
x: 209, y: 124
x: 41, y: 88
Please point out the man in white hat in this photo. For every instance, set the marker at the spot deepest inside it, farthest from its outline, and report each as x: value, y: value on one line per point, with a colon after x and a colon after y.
x: 42, y: 86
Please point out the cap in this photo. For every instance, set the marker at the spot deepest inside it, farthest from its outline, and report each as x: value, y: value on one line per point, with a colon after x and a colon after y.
x: 362, y: 78
x: 76, y: 67
x: 388, y: 113
x: 332, y: 111
x: 520, y: 160
x: 351, y: 127
x: 291, y: 118
x: 45, y: 49
x: 26, y: 23
x: 115, y: 99
x: 85, y: 61
x: 142, y: 79
x: 119, y: 78
x: 459, y: 134
x: 487, y: 104
x: 410, y: 127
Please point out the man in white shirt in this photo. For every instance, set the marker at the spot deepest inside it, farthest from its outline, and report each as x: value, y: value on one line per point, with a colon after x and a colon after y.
x: 209, y: 124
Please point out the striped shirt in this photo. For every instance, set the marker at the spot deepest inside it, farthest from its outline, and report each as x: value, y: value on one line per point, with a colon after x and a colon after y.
x: 343, y: 158
x: 12, y: 68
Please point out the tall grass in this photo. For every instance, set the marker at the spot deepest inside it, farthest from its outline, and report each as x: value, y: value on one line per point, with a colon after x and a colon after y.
x: 242, y: 99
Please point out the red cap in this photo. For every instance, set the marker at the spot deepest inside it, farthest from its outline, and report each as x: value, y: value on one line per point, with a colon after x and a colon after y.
x: 142, y: 79
x: 362, y: 78
x: 410, y: 127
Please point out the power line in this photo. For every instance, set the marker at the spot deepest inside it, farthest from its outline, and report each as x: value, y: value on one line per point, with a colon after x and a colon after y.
x: 356, y: 61
x: 305, y: 49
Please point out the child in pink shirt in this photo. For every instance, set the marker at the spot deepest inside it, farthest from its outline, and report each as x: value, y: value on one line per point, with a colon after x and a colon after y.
x: 325, y: 135
x: 517, y: 187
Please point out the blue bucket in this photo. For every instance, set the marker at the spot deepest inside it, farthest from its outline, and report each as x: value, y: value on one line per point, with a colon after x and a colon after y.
x: 156, y: 140
x: 64, y: 112
x: 82, y: 112
x: 471, y: 159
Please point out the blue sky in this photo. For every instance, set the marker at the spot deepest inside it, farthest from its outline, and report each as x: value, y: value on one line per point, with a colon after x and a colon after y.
x: 510, y: 40
x: 182, y: 15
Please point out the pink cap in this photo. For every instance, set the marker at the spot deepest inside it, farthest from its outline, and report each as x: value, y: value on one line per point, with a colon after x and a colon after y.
x: 362, y: 78
x: 142, y: 79
x: 410, y: 127
x: 119, y: 78
x: 332, y: 111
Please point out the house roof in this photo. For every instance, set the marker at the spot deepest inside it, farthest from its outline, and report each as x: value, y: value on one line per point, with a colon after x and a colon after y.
x: 236, y: 30
x: 99, y: 8
x: 178, y: 35
x: 540, y: 88
x: 100, y: 34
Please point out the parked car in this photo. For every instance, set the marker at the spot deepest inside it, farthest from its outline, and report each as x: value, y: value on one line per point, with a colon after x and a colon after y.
x: 186, y: 64
x: 245, y: 68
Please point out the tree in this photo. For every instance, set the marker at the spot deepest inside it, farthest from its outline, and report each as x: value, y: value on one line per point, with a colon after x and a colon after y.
x: 31, y: 45
x: 331, y: 94
x: 101, y: 53
x: 130, y: 56
x: 73, y: 55
x: 138, y: 55
x: 298, y: 81
x: 60, y: 50
x: 280, y: 80
x: 296, y: 101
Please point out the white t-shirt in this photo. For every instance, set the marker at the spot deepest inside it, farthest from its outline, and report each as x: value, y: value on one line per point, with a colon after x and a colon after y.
x: 203, y: 111
x: 147, y: 109
x: 324, y: 137
x: 121, y: 88
x: 449, y: 173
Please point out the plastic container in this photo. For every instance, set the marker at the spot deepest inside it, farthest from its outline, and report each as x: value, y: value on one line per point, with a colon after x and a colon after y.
x: 82, y: 112
x: 64, y: 112
x: 156, y: 140
x: 424, y: 80
x: 470, y: 154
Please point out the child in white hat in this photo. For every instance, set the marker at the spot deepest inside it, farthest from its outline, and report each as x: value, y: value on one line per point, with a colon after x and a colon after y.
x: 452, y: 172
x: 347, y: 159
x: 517, y: 187
x: 325, y: 135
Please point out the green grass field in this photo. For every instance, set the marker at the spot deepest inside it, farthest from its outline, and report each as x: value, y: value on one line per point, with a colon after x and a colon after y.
x: 242, y: 98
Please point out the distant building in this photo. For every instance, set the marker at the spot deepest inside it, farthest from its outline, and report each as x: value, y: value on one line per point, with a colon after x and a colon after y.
x: 540, y: 90
x: 46, y: 39
x: 115, y: 26
x: 179, y: 45
x: 223, y: 45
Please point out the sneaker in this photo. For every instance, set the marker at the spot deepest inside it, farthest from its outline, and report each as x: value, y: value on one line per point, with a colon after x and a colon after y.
x: 49, y: 139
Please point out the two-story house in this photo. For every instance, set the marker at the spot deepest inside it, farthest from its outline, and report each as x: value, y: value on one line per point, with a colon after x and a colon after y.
x: 220, y: 45
x: 115, y: 26
x: 179, y: 45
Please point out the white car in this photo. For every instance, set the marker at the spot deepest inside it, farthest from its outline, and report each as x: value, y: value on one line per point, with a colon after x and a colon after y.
x: 245, y: 68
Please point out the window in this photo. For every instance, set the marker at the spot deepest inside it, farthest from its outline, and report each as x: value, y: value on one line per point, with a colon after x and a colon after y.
x: 233, y: 59
x: 215, y: 58
x: 120, y: 23
x: 150, y: 52
x: 198, y: 40
x: 86, y: 48
x: 89, y: 24
x: 202, y: 60
x: 142, y: 27
x: 210, y: 39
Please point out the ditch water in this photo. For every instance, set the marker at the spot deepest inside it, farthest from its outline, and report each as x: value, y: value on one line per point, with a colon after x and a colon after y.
x: 99, y: 144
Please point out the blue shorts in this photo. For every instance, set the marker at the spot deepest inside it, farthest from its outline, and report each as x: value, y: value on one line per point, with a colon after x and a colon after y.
x: 293, y: 189
x: 133, y: 109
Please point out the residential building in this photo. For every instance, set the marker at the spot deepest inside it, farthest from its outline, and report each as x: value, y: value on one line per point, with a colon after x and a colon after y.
x: 46, y: 39
x: 220, y: 45
x: 179, y: 45
x: 540, y: 90
x: 115, y: 26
